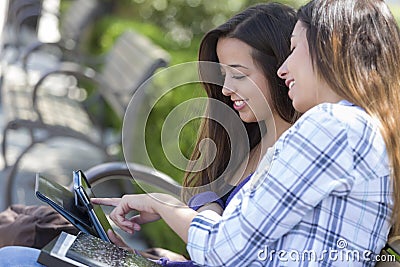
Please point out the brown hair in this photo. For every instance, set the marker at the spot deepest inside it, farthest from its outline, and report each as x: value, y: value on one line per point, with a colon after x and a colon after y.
x: 355, y: 48
x: 267, y: 29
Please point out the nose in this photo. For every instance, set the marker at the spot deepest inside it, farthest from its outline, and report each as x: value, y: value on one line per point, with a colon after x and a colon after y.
x: 283, y: 71
x: 227, y: 88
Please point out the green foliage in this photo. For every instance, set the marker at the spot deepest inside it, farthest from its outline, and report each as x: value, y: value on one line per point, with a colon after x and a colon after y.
x: 160, y: 235
x: 183, y: 20
x: 110, y: 27
x: 104, y: 35
x: 395, y: 8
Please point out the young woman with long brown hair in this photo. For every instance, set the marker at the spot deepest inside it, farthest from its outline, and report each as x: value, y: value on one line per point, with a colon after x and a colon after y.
x: 258, y: 39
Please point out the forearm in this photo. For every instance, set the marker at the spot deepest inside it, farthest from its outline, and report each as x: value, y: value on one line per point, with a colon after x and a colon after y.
x: 175, y: 213
x: 212, y: 206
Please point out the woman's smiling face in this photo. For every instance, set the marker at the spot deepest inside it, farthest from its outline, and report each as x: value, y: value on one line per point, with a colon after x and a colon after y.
x: 306, y: 88
x: 244, y: 81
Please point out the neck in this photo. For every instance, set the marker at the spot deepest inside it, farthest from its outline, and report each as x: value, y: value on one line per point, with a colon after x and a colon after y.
x: 327, y: 95
x: 275, y: 128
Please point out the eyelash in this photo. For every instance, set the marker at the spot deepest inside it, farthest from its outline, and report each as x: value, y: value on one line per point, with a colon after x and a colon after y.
x: 237, y: 77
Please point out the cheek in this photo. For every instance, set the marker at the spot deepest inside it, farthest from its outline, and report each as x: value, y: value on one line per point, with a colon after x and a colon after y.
x: 266, y: 96
x: 261, y: 89
x: 298, y: 64
x: 262, y: 102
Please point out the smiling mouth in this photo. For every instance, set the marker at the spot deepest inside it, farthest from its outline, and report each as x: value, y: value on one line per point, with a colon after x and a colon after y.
x: 291, y: 84
x: 239, y: 104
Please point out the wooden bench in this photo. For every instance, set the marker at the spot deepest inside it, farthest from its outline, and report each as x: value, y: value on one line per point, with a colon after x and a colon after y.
x: 53, y: 107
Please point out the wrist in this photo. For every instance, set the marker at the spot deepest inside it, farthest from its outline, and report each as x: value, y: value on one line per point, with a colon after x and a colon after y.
x: 159, y: 202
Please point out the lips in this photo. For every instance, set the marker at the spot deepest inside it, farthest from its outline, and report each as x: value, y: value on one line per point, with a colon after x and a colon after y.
x: 238, y: 104
x: 290, y: 83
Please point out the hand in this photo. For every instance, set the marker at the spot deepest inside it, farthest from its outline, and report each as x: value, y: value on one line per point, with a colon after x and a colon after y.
x: 151, y: 207
x: 142, y: 203
x: 117, y: 240
x: 150, y: 253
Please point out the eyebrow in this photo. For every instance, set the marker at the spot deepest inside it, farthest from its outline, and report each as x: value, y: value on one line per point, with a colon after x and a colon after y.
x: 237, y: 66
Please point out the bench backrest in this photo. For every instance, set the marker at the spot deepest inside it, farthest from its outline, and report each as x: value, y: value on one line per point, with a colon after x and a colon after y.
x: 24, y: 12
x: 130, y: 62
x: 73, y: 23
x: 76, y: 18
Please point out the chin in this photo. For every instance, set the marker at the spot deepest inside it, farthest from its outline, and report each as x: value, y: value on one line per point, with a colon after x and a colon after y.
x: 298, y: 107
x: 248, y: 119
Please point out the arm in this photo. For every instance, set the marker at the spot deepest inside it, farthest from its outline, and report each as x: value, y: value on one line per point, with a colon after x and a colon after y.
x: 151, y: 207
x: 300, y: 176
x: 311, y: 161
x: 211, y: 206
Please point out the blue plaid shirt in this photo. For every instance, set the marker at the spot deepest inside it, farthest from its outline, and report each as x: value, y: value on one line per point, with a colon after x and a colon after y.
x: 325, y: 200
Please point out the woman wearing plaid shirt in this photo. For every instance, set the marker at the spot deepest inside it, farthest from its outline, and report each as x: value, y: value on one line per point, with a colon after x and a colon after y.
x: 331, y: 193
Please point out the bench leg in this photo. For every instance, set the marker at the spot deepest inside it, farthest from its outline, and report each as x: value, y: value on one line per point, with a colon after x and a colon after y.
x: 4, y: 146
x: 10, y: 178
x: 11, y: 126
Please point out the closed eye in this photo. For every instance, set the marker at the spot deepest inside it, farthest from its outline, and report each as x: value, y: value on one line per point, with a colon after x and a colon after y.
x: 238, y: 77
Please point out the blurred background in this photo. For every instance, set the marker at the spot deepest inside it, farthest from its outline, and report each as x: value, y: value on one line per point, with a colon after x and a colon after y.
x: 176, y: 26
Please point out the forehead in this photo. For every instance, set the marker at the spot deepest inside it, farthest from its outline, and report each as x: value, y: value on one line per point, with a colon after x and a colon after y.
x: 299, y: 30
x: 232, y: 51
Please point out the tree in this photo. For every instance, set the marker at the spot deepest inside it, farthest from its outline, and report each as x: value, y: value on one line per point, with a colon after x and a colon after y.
x: 181, y: 20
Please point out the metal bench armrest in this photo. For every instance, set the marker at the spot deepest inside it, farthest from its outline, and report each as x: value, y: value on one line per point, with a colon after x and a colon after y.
x: 36, y: 47
x: 67, y: 68
x: 141, y: 173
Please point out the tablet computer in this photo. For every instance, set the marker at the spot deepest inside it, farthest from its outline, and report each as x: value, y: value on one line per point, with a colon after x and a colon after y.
x: 70, y: 205
x: 83, y: 193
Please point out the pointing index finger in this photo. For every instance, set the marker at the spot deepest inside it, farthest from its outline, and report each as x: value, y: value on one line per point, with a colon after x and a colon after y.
x: 106, y: 201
